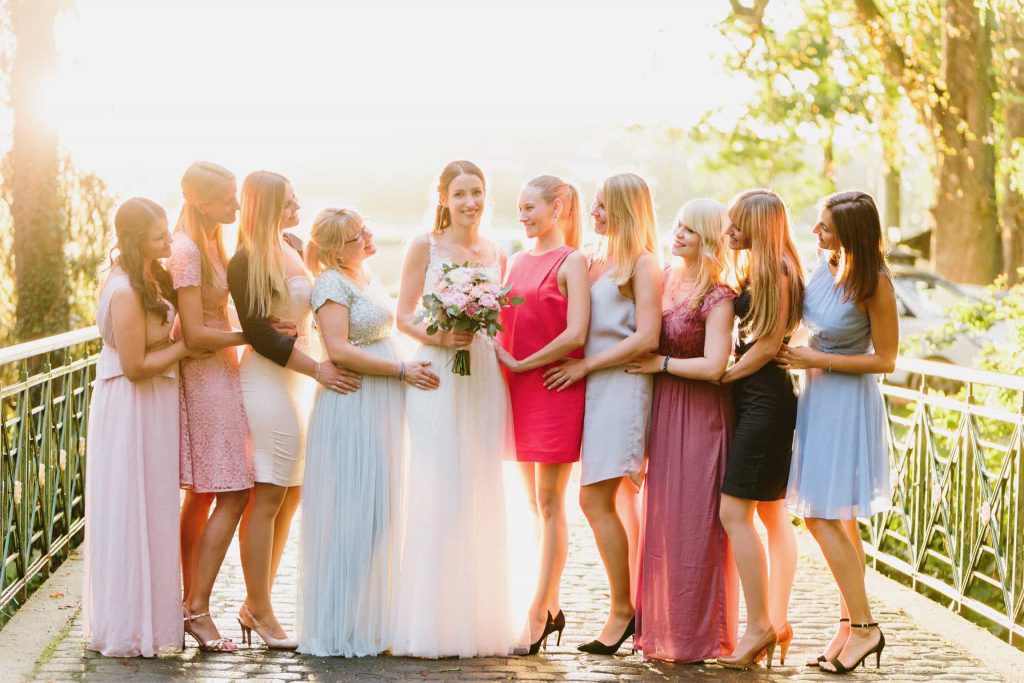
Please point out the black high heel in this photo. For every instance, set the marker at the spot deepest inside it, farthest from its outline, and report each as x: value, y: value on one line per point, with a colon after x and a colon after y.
x: 558, y: 624
x: 877, y: 650
x: 535, y: 647
x: 821, y: 659
x: 596, y: 647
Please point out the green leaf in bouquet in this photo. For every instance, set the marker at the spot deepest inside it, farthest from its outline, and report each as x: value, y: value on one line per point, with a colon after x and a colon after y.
x: 492, y: 330
x: 516, y: 300
x: 432, y: 329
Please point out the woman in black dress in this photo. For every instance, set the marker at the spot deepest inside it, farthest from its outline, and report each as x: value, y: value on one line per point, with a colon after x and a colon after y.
x: 771, y: 285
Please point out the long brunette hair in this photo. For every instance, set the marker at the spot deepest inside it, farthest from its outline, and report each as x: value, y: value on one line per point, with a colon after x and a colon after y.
x: 442, y: 215
x: 861, y: 254
x: 132, y: 223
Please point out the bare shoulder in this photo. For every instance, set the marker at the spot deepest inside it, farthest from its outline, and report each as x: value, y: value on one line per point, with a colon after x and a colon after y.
x: 577, y: 259
x: 420, y: 245
x: 647, y: 265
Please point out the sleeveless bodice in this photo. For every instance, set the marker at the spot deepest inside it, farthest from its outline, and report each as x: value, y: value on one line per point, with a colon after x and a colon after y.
x: 836, y: 326
x: 296, y: 306
x: 612, y: 316
x: 370, y: 317
x: 434, y: 267
x: 682, y: 328
x: 108, y: 364
x: 542, y: 315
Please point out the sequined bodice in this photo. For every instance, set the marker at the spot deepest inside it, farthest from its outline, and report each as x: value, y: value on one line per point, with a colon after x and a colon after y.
x: 683, y: 328
x: 370, y: 315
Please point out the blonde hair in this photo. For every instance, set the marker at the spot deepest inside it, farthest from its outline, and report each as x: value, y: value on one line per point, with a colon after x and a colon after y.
x: 761, y: 216
x: 706, y: 218
x: 264, y: 195
x: 331, y: 228
x: 201, y: 182
x: 631, y: 225
x: 442, y: 215
x: 569, y: 222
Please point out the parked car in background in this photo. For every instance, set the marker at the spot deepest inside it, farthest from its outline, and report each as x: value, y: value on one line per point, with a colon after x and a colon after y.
x: 924, y: 300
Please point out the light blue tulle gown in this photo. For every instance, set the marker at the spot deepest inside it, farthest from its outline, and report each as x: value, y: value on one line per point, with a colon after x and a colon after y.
x: 840, y: 467
x: 350, y: 493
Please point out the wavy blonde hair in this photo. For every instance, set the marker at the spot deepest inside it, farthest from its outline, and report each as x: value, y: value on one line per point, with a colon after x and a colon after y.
x: 631, y: 225
x: 264, y: 195
x: 707, y: 219
x: 330, y: 230
x: 761, y: 216
x: 569, y: 221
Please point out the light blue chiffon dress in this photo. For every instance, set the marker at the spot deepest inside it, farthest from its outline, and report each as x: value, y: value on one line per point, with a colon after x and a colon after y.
x: 840, y: 467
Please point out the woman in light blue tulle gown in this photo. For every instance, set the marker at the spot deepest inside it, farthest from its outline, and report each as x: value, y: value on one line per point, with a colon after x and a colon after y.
x: 353, y: 452
x: 840, y: 466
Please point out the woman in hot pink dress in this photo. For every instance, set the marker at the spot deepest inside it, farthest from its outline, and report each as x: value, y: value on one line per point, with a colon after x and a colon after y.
x: 687, y: 601
x: 215, y: 459
x: 551, y: 324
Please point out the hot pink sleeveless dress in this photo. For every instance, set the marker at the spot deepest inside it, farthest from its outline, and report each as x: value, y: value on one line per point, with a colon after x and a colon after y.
x: 548, y: 425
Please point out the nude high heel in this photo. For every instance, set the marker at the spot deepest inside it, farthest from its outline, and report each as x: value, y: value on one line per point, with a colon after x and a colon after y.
x: 249, y: 623
x: 745, y: 660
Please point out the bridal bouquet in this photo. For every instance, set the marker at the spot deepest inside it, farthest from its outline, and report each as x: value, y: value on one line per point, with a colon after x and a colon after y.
x: 465, y: 299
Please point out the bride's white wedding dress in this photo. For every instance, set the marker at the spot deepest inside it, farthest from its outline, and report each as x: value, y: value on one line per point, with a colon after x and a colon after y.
x: 453, y: 585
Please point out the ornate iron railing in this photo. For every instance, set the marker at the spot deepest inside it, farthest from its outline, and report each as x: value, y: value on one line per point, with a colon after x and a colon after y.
x: 45, y: 387
x: 956, y: 528
x: 955, y: 532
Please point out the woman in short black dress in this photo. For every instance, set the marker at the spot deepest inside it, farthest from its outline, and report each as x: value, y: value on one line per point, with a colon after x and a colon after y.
x: 757, y: 468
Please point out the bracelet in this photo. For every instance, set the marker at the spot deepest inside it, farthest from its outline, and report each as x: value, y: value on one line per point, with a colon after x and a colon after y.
x: 401, y: 370
x: 830, y: 363
x: 664, y: 366
x: 316, y: 373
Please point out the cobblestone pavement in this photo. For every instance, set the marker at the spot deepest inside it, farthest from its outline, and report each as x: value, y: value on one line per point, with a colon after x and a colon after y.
x: 912, y: 653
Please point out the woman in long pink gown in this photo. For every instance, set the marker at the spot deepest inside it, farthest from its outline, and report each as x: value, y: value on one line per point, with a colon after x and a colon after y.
x: 132, y: 593
x: 687, y: 600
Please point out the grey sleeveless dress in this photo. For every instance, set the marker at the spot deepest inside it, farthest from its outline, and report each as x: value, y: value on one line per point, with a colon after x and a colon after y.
x: 618, y: 406
x: 840, y: 467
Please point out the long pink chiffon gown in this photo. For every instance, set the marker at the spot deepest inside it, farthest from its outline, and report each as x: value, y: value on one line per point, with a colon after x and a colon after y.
x: 687, y: 599
x: 132, y: 594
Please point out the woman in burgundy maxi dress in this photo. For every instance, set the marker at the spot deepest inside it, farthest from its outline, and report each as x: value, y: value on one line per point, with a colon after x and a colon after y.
x: 687, y: 601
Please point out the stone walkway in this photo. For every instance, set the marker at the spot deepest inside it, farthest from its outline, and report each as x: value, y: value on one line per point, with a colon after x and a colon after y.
x: 913, y: 652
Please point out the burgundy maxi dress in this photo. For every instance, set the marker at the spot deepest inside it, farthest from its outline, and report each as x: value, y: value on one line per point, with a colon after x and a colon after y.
x: 687, y: 605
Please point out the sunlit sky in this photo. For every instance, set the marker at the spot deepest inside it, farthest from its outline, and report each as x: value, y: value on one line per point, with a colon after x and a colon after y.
x: 340, y: 96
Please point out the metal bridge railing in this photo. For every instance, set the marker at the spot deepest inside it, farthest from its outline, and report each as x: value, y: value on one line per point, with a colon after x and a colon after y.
x: 955, y: 532
x: 956, y: 528
x: 45, y: 387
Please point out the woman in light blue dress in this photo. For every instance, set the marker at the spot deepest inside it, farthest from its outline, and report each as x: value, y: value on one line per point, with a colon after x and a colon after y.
x: 353, y: 453
x: 840, y: 466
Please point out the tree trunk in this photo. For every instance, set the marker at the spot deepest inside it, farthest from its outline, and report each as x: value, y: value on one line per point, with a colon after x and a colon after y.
x: 892, y: 210
x: 40, y: 281
x: 966, y: 240
x: 1012, y: 208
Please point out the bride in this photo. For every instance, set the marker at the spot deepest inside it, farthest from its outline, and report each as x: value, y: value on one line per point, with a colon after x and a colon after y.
x: 452, y: 592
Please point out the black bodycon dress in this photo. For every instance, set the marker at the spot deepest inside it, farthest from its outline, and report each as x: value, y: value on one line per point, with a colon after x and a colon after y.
x: 762, y: 445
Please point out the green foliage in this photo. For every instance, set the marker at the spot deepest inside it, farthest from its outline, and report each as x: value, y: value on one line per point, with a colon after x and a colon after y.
x: 86, y: 207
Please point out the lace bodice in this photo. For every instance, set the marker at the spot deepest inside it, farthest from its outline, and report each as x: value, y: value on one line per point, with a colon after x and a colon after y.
x: 437, y: 260
x: 683, y: 329
x: 369, y: 310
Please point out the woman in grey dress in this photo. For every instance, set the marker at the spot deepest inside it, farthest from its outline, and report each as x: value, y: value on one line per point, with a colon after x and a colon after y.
x: 840, y: 467
x: 625, y: 321
x: 353, y: 452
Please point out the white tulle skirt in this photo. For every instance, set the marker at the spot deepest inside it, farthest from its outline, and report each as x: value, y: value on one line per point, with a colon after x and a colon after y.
x: 454, y: 587
x: 347, y: 547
